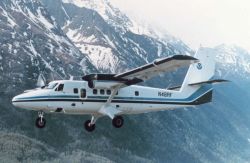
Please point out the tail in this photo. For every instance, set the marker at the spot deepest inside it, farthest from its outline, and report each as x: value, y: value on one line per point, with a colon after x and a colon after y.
x: 197, y: 83
x: 203, y: 70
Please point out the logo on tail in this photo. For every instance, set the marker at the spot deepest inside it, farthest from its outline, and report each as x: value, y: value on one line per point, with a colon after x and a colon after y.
x: 199, y: 66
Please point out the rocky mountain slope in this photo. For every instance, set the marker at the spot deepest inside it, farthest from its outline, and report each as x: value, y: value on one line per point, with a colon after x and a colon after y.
x: 104, y: 34
x: 234, y: 59
x: 73, y: 37
x: 33, y: 43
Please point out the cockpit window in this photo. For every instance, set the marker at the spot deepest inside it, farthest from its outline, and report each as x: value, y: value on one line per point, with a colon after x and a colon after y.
x: 50, y: 85
x: 60, y: 87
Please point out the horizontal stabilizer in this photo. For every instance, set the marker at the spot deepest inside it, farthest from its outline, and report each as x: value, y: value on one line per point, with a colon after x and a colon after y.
x: 209, y: 82
x: 174, y: 88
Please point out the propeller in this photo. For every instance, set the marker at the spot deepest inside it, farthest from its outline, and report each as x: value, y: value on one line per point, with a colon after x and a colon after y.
x: 41, y: 81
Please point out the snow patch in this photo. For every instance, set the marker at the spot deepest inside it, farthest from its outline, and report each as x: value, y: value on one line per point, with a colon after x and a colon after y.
x: 10, y: 48
x: 25, y: 34
x: 99, y: 5
x: 38, y: 19
x: 65, y: 12
x: 233, y: 57
x: 32, y: 49
x: 159, y: 51
x: 76, y: 36
x: 29, y: 26
x: 84, y: 65
x: 71, y: 33
x: 13, y: 35
x: 42, y: 19
x: 101, y: 57
x: 9, y: 18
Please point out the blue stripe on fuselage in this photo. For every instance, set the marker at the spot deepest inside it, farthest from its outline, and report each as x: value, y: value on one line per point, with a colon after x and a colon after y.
x: 195, y: 95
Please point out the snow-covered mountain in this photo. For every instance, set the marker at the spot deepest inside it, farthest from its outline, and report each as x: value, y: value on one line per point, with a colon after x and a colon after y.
x: 33, y: 43
x: 233, y: 58
x: 105, y: 34
x: 114, y: 17
x: 73, y: 37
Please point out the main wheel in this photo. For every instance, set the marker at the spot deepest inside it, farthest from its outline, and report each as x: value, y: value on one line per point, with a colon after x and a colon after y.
x: 117, y: 122
x: 40, y: 122
x: 88, y: 126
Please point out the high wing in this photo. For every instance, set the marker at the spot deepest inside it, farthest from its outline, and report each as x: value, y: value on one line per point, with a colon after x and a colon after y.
x: 140, y: 74
x: 158, y: 66
x: 117, y: 81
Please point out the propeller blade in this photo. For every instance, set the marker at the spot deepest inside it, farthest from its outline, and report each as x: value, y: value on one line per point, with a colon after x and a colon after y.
x: 41, y: 81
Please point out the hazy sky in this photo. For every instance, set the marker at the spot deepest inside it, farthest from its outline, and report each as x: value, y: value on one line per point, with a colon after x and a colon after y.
x: 206, y: 22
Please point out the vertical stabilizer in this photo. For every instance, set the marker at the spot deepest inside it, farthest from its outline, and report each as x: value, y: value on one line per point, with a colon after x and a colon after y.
x: 200, y: 72
x: 204, y: 69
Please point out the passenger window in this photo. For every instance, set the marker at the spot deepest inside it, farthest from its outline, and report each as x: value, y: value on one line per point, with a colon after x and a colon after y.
x: 116, y: 93
x: 76, y: 90
x: 136, y: 93
x: 94, y: 91
x: 108, y: 92
x: 83, y: 93
x: 102, y: 91
x: 60, y: 87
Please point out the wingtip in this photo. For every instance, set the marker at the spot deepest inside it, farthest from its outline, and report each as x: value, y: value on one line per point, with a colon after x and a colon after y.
x: 176, y: 57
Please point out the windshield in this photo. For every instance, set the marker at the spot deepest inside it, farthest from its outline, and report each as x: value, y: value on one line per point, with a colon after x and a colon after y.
x: 51, y: 85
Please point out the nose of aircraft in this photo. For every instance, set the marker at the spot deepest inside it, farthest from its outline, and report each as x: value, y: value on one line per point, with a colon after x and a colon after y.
x: 14, y: 101
x: 23, y: 100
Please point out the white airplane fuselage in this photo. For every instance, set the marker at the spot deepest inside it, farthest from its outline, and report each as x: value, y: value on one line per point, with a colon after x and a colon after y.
x: 77, y: 98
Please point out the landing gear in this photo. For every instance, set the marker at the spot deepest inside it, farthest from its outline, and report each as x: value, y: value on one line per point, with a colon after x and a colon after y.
x: 117, y: 122
x: 88, y: 126
x: 40, y: 121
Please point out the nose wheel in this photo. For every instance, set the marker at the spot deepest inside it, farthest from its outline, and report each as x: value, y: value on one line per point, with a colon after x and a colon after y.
x: 40, y: 121
x: 88, y: 126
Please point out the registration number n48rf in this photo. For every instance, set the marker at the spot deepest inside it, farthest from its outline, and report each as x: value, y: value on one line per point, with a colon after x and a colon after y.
x: 164, y: 94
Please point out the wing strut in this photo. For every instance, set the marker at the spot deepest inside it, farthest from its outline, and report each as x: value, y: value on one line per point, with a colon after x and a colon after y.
x: 107, y: 109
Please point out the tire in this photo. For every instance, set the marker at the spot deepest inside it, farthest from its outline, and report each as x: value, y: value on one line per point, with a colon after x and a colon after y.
x: 40, y: 122
x: 89, y: 127
x: 118, y: 122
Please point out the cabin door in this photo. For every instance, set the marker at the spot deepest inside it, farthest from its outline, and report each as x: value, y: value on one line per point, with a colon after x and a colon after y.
x: 83, y: 93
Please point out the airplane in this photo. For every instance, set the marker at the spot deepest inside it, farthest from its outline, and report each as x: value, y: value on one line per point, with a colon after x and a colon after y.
x: 114, y: 95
